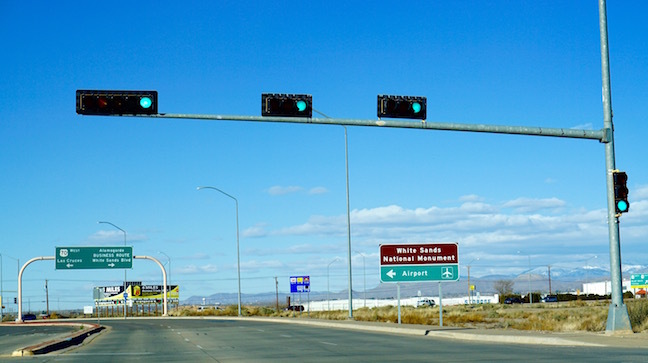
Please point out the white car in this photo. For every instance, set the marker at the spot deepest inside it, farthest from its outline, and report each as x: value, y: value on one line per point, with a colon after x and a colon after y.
x: 425, y: 303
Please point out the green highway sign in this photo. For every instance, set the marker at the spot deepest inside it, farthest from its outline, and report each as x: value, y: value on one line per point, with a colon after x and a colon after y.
x: 638, y: 281
x: 73, y: 258
x: 417, y: 273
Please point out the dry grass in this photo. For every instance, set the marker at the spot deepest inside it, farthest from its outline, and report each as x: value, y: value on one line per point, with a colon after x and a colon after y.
x: 559, y: 317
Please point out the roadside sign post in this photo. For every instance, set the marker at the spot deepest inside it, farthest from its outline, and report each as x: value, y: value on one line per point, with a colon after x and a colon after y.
x: 299, y: 284
x: 419, y: 262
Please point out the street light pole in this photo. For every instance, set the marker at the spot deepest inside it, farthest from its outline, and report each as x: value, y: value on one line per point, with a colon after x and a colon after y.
x: 124, y: 232
x: 346, y: 155
x: 238, y: 255
x: 169, y: 259
x: 346, y: 159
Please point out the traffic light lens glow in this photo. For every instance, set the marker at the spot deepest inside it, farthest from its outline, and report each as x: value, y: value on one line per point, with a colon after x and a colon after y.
x: 301, y: 105
x: 622, y: 206
x: 146, y: 102
x: 416, y: 107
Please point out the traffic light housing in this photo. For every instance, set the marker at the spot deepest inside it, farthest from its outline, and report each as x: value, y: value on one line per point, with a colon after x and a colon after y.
x: 402, y: 107
x: 621, y: 203
x: 286, y: 105
x: 116, y: 103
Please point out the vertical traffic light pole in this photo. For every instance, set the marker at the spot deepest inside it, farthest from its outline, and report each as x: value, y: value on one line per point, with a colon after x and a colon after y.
x: 618, y: 319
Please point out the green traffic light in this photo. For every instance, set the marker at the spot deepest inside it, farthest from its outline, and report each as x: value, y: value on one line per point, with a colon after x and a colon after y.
x: 301, y: 105
x: 416, y: 107
x: 145, y: 102
x: 622, y: 206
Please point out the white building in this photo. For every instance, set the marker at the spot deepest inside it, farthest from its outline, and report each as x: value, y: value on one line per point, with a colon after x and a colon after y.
x: 406, y: 301
x: 603, y: 287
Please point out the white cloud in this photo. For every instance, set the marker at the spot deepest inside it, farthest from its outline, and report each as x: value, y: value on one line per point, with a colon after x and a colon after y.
x: 318, y: 190
x: 585, y: 126
x: 640, y: 193
x: 471, y: 198
x: 548, y: 229
x: 115, y: 237
x: 258, y: 230
x: 279, y: 190
x: 193, y: 269
x: 527, y: 205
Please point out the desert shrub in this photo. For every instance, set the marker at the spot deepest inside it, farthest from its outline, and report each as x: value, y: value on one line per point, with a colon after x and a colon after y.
x: 638, y: 313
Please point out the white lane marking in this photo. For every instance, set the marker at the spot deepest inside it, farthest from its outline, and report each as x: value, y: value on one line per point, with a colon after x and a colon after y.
x: 286, y: 336
x: 186, y: 340
x: 199, y: 347
x: 327, y: 343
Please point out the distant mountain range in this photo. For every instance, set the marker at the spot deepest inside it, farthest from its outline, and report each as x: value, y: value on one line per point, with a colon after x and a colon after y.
x: 562, y: 280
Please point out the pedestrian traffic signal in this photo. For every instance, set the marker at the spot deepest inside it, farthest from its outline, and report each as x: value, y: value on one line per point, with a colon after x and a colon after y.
x: 621, y: 203
x: 402, y: 107
x: 287, y: 105
x: 116, y: 102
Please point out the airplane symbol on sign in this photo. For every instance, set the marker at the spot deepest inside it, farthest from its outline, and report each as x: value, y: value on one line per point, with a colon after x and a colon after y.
x: 446, y: 273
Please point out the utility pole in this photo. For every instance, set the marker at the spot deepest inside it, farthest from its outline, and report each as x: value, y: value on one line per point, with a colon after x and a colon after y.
x: 277, y: 291
x: 47, y: 297
x: 549, y: 273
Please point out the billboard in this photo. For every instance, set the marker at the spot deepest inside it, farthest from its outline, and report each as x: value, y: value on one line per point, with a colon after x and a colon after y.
x: 299, y: 284
x: 136, y: 293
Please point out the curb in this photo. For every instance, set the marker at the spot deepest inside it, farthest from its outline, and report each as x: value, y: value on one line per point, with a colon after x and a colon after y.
x: 61, y: 343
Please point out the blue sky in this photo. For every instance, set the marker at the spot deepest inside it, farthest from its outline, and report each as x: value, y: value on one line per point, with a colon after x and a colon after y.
x: 503, y: 198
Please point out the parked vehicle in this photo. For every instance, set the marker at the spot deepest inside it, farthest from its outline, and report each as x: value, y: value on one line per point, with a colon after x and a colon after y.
x: 550, y: 299
x: 295, y: 308
x: 30, y: 316
x: 513, y: 300
x: 425, y: 303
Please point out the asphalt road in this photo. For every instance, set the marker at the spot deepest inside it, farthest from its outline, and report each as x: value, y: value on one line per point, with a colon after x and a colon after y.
x: 223, y: 340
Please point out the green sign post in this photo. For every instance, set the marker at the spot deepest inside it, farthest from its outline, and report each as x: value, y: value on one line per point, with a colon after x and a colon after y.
x: 74, y: 258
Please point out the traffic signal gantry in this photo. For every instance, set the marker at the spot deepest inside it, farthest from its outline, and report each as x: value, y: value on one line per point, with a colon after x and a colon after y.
x: 294, y: 108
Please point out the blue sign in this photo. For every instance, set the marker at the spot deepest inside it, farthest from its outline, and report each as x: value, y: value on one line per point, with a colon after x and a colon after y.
x: 299, y: 284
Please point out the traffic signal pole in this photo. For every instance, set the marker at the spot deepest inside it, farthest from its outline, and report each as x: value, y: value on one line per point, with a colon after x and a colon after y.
x: 618, y: 319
